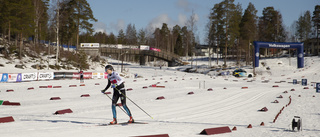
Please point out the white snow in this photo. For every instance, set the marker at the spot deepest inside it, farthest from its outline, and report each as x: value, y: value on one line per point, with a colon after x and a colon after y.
x: 179, y: 114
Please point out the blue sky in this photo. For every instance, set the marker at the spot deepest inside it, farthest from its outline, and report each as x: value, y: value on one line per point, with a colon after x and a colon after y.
x: 114, y: 15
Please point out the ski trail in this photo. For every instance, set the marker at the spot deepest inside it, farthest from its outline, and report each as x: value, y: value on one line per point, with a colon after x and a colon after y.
x: 218, y: 109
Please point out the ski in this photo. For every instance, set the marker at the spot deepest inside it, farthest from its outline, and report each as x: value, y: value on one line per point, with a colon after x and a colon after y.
x: 123, y: 123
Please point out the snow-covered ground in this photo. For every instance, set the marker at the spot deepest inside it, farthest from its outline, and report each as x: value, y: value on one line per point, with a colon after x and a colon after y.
x: 179, y: 114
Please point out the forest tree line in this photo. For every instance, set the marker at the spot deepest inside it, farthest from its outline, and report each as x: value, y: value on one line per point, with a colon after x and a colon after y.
x: 229, y: 28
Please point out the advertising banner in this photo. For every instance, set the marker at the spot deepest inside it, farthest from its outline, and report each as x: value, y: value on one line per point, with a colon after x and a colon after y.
x: 4, y: 77
x: 76, y: 75
x: 86, y: 75
x: 304, y: 82
x: 58, y: 75
x: 295, y: 81
x: 29, y: 76
x: 97, y: 75
x: 14, y: 77
x: 108, y: 46
x: 89, y: 45
x: 63, y: 75
x: 279, y: 45
x: 144, y: 47
x: 19, y: 77
x: 45, y: 75
x: 155, y: 49
x: 318, y: 87
x: 119, y: 46
x: 68, y: 75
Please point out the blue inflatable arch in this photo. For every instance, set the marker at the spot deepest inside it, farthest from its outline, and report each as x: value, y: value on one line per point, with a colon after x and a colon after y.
x: 279, y: 45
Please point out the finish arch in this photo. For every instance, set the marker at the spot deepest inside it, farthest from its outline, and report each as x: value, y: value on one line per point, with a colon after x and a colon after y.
x: 279, y: 45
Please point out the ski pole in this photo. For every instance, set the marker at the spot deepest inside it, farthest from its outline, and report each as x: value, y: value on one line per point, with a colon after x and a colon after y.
x: 134, y: 103
x: 118, y: 106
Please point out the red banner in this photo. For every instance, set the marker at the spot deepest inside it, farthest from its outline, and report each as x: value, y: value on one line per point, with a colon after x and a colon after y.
x: 86, y: 75
x: 155, y: 49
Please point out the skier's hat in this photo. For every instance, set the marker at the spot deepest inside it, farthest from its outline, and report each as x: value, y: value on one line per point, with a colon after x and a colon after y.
x: 108, y: 67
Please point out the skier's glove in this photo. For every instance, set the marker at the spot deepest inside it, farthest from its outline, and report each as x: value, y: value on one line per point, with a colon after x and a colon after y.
x: 102, y: 91
x: 114, y: 85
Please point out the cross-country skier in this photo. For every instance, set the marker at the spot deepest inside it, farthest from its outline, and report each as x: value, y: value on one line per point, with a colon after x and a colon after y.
x: 81, y: 76
x: 117, y: 83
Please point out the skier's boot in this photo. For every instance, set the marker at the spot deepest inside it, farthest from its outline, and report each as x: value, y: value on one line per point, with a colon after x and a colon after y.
x: 114, y: 121
x: 131, y: 120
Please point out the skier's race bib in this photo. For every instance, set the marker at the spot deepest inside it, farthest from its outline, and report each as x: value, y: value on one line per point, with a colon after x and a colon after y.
x: 114, y: 81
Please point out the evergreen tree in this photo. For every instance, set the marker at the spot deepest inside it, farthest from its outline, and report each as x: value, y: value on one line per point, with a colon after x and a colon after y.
x: 121, y: 37
x: 112, y: 39
x: 212, y: 34
x: 248, y: 30
x: 131, y: 35
x: 82, y: 15
x: 234, y: 29
x: 316, y: 23
x: 304, y: 26
x: 43, y: 21
x: 100, y: 37
x: 68, y: 27
x: 176, y: 40
x: 224, y: 25
x: 248, y: 25
x: 157, y: 38
x: 22, y: 22
x: 185, y: 37
x: 316, y: 18
x: 142, y: 40
x: 165, y: 35
x: 16, y: 17
x: 40, y: 20
x: 6, y: 16
x: 270, y: 26
x: 178, y: 48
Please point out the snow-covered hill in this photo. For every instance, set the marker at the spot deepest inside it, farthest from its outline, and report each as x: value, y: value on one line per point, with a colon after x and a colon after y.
x: 179, y: 114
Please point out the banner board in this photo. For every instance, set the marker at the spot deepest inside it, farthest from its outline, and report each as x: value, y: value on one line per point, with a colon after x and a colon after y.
x: 89, y: 45
x: 21, y: 77
x: 4, y: 77
x: 318, y: 87
x: 45, y: 75
x: 86, y: 75
x: 15, y: 77
x: 63, y: 75
x: 29, y: 76
x: 279, y: 45
x: 97, y: 75
x: 295, y: 81
x: 155, y: 49
x: 144, y: 47
x: 304, y: 82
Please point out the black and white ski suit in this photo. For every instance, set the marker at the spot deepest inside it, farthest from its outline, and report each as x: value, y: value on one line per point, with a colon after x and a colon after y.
x: 118, y: 91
